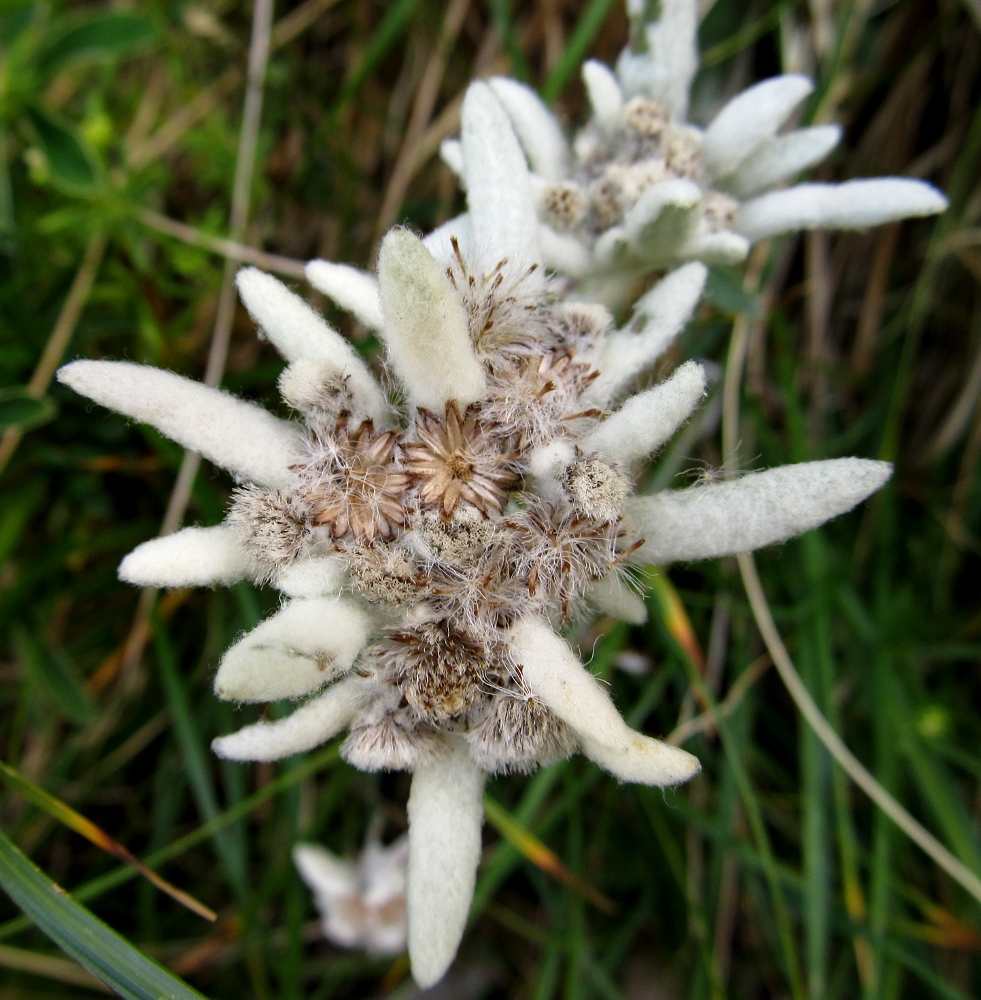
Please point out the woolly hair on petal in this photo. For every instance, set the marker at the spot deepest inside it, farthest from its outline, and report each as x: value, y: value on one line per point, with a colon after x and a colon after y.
x: 649, y: 419
x: 300, y: 334
x: 445, y: 815
x: 664, y: 221
x: 192, y: 557
x: 325, y: 576
x: 604, y: 96
x: 295, y: 652
x: 353, y: 290
x: 852, y: 205
x: 782, y: 158
x: 658, y: 318
x: 316, y: 721
x: 750, y: 512
x: 536, y: 128
x: 748, y: 120
x: 426, y: 329
x: 499, y: 195
x: 239, y: 436
x: 554, y: 674
x: 665, y: 70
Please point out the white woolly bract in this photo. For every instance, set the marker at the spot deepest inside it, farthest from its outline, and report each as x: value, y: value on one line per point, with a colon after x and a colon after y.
x: 659, y: 317
x: 425, y: 329
x: 440, y: 241
x: 613, y: 597
x: 451, y: 153
x: 782, y: 158
x: 604, y: 96
x: 554, y: 674
x: 300, y: 334
x: 748, y: 120
x: 647, y: 420
x: 192, y: 557
x: 322, y: 577
x: 564, y: 253
x: 748, y: 513
x: 499, y: 196
x: 852, y: 205
x: 536, y: 128
x: 316, y: 721
x: 445, y: 815
x: 239, y: 436
x: 665, y: 70
x: 353, y: 290
x: 294, y: 652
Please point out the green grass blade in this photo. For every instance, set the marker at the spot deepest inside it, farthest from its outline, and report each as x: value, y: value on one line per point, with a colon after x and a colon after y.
x: 82, y: 935
x: 193, y: 756
x: 582, y: 37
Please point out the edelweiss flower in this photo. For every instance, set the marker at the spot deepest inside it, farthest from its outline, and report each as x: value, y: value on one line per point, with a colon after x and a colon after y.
x: 362, y: 902
x: 427, y: 554
x: 641, y: 188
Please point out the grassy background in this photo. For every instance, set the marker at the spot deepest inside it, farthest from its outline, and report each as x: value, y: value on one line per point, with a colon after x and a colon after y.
x: 770, y: 875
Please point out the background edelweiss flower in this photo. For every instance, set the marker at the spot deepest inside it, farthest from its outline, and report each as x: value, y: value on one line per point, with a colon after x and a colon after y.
x: 454, y: 669
x: 361, y: 902
x: 641, y: 188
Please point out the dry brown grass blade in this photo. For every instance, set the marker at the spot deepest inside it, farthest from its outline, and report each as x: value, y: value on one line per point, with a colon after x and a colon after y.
x: 67, y: 816
x: 427, y: 94
x: 228, y: 249
x: 61, y: 970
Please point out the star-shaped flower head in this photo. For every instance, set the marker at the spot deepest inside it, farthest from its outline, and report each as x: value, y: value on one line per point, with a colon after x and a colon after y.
x: 429, y: 552
x: 361, y: 902
x: 640, y: 188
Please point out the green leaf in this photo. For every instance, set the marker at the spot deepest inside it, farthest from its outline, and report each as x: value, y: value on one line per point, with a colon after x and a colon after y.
x: 71, y: 162
x: 18, y: 408
x: 82, y: 935
x: 724, y: 289
x: 55, y: 677
x: 98, y: 36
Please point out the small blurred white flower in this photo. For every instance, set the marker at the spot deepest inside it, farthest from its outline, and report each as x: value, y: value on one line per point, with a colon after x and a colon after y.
x: 361, y: 902
x: 641, y: 188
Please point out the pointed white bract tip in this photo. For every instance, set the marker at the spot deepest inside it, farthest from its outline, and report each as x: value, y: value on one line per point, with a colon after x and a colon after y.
x: 451, y: 153
x: 297, y: 651
x: 321, y: 577
x: 426, y: 330
x: 749, y: 120
x: 445, y: 816
x: 751, y: 512
x: 554, y: 674
x: 239, y: 436
x: 659, y: 316
x: 440, y: 241
x: 193, y: 557
x: 499, y: 196
x: 649, y: 419
x: 327, y: 876
x: 665, y: 71
x: 564, y: 253
x: 538, y: 132
x: 316, y: 721
x: 782, y: 158
x: 852, y: 205
x: 645, y: 762
x: 294, y: 329
x: 353, y: 290
x: 604, y: 96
